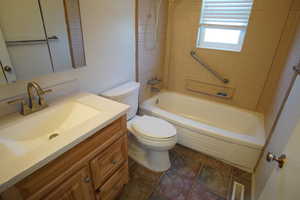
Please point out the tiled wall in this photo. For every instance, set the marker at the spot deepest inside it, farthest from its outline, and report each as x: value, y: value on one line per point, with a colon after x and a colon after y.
x: 247, y: 70
x: 151, y: 51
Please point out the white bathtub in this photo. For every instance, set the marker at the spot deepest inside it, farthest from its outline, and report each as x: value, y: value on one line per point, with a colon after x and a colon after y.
x: 231, y: 134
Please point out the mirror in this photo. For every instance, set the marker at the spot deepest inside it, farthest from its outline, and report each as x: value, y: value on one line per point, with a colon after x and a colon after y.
x: 39, y: 37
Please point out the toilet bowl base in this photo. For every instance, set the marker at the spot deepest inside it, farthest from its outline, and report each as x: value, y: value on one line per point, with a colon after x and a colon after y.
x: 157, y: 161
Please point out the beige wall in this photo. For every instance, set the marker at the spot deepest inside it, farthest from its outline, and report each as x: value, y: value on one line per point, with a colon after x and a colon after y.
x: 151, y: 49
x: 108, y: 28
x: 282, y: 72
x: 247, y: 70
x: 278, y: 83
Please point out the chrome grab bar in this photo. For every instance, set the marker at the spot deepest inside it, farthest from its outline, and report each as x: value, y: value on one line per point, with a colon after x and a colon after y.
x: 21, y: 42
x: 216, y: 74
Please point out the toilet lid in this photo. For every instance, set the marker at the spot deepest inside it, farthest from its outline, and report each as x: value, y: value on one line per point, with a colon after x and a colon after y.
x: 154, y: 127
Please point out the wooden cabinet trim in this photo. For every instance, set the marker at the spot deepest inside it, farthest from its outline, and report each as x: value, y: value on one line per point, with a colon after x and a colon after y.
x: 114, y: 185
x: 109, y: 161
x: 84, y: 188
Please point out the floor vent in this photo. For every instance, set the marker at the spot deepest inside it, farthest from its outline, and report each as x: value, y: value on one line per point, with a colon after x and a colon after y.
x: 238, y: 191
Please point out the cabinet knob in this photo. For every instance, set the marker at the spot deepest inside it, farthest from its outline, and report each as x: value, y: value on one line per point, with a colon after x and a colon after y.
x: 87, y: 179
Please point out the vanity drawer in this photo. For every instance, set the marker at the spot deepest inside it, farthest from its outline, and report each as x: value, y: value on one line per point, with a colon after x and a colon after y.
x: 107, y: 162
x: 112, y: 188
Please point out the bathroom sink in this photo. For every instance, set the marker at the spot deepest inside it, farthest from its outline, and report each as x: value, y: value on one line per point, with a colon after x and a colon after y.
x: 29, y: 142
x: 48, y: 124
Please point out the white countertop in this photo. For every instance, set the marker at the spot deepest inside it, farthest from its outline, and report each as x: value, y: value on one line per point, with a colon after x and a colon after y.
x: 17, y: 163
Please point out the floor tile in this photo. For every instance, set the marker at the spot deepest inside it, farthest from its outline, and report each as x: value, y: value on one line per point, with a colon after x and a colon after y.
x: 238, y: 173
x: 192, y: 176
x: 141, y: 183
x: 156, y: 196
x: 184, y: 166
x: 200, y: 192
x: 172, y: 186
x: 140, y: 172
x: 178, y: 180
x: 131, y: 162
x: 189, y: 153
x: 216, y: 177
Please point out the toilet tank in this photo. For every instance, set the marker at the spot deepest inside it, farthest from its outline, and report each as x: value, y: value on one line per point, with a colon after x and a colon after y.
x: 128, y: 93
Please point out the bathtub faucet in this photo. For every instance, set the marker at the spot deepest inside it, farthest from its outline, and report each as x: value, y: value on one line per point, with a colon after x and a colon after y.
x: 154, y: 83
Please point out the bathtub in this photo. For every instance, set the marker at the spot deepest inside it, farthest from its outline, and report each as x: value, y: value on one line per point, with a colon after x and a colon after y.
x: 233, y: 135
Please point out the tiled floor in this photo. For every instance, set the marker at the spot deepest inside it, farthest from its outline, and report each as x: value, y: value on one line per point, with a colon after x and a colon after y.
x: 192, y: 176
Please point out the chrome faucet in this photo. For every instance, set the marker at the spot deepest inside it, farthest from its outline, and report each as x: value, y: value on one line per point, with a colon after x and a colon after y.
x: 34, y: 91
x: 31, y: 87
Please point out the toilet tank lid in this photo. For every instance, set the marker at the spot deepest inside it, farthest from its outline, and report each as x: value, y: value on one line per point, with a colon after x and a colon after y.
x: 121, y: 90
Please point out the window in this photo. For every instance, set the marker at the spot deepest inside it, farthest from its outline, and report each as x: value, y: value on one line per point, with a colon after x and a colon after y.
x: 223, y: 24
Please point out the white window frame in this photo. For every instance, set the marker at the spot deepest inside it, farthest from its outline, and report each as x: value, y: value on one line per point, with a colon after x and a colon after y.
x: 201, y: 43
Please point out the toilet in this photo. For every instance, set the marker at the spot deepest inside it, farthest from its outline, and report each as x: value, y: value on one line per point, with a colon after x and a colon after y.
x: 149, y: 138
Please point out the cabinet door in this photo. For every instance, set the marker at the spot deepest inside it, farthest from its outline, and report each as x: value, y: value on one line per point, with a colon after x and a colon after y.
x: 109, y: 161
x: 113, y: 186
x: 77, y: 187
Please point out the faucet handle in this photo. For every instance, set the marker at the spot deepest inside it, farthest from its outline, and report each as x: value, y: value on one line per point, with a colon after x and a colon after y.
x: 25, y: 109
x: 47, y: 91
x: 19, y: 100
x: 42, y: 101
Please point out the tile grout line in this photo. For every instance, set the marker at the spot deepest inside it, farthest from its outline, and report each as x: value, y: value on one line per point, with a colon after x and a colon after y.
x: 156, y: 187
x: 195, y: 180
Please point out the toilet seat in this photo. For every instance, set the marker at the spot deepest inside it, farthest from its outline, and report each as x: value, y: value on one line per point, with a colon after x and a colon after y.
x: 153, y: 128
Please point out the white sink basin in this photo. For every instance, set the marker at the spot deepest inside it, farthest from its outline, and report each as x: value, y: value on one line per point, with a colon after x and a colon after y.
x: 49, y: 123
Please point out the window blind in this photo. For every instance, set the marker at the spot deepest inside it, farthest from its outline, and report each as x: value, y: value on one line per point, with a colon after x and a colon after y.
x: 226, y: 12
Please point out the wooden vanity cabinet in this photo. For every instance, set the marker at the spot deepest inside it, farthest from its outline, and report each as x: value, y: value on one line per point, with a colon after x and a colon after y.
x: 76, y: 187
x: 111, y: 188
x: 97, y: 168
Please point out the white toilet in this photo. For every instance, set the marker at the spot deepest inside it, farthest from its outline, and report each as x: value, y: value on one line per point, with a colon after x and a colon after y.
x: 150, y: 138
